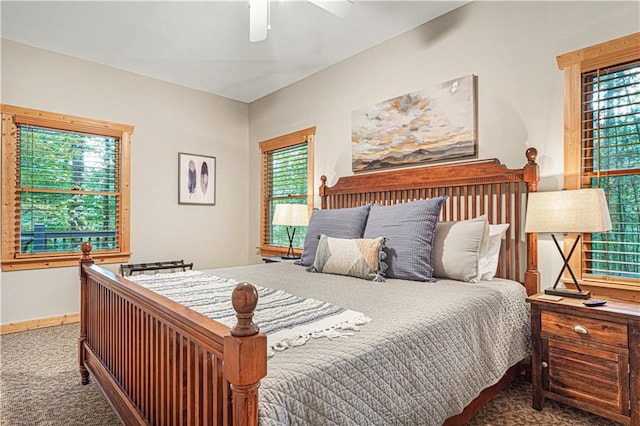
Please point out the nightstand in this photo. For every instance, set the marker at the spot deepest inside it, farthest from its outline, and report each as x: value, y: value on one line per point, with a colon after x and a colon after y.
x: 587, y: 357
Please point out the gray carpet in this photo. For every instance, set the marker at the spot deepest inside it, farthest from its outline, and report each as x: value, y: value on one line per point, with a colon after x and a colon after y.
x: 40, y: 385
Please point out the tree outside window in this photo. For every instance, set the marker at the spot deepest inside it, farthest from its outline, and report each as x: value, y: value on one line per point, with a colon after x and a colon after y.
x: 66, y: 179
x: 287, y: 174
x: 602, y: 149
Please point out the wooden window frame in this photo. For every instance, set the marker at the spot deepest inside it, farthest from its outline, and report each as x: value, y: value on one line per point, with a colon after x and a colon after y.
x: 12, y: 116
x: 268, y: 145
x: 574, y: 64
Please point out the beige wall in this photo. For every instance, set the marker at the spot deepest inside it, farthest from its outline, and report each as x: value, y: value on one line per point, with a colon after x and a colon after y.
x: 168, y: 119
x: 510, y: 46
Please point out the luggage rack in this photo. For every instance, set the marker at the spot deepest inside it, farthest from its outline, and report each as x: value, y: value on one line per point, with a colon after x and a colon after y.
x: 128, y: 269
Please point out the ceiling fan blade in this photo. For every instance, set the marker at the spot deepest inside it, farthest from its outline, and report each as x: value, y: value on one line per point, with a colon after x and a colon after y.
x: 339, y: 8
x: 258, y: 17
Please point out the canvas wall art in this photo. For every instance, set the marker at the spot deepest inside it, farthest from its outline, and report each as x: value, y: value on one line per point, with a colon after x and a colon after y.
x: 196, y: 179
x: 431, y: 125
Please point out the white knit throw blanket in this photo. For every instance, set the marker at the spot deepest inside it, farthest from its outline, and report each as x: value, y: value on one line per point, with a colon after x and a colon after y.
x: 285, y: 319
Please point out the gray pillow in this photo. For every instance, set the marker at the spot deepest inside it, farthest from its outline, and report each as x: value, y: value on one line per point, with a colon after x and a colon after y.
x: 338, y: 223
x: 409, y: 229
x: 457, y: 248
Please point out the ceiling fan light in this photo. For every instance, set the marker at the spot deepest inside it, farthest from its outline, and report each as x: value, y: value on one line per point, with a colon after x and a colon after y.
x: 258, y: 20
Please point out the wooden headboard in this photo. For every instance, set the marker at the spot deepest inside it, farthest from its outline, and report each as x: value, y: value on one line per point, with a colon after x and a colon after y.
x: 473, y: 189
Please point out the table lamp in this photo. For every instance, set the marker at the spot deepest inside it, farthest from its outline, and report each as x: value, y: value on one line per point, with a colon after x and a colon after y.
x: 291, y: 215
x: 579, y: 211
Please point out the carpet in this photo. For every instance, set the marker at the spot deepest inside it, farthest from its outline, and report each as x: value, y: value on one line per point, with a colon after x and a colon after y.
x: 40, y: 385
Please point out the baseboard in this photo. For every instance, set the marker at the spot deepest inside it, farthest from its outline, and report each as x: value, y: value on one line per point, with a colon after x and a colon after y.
x: 39, y: 323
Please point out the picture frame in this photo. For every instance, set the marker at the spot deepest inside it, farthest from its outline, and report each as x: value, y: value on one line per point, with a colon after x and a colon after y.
x: 432, y: 125
x: 196, y: 179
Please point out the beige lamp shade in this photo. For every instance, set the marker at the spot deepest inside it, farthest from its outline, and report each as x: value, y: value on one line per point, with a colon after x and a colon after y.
x: 579, y: 210
x: 291, y: 215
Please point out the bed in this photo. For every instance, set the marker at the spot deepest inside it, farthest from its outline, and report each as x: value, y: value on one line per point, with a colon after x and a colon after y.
x: 160, y: 362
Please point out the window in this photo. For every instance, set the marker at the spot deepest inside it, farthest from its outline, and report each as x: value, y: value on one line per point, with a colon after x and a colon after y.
x: 287, y: 177
x: 65, y: 180
x: 602, y: 149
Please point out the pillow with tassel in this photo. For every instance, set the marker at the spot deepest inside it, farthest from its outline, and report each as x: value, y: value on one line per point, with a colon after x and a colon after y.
x: 360, y: 257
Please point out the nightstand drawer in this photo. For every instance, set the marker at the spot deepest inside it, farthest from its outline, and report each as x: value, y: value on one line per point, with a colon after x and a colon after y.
x: 583, y: 328
x: 593, y: 376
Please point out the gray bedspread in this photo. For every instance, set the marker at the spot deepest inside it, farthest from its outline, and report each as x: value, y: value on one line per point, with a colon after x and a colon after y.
x: 428, y: 351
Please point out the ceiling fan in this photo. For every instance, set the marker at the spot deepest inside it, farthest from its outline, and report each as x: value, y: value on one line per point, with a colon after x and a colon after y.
x: 259, y: 14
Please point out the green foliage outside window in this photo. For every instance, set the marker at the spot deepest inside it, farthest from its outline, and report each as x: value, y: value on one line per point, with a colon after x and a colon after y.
x: 288, y: 178
x: 612, y: 162
x: 68, y: 184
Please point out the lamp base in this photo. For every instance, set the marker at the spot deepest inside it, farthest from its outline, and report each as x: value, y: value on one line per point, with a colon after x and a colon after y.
x: 567, y: 292
x: 290, y: 257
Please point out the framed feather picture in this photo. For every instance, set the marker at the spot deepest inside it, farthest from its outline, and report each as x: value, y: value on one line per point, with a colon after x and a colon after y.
x: 196, y: 179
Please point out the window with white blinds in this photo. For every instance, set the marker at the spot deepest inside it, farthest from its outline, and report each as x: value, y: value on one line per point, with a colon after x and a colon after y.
x: 65, y: 180
x: 287, y: 170
x: 611, y: 161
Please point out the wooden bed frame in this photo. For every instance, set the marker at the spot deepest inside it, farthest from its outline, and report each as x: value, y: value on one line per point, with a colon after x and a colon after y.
x: 158, y: 362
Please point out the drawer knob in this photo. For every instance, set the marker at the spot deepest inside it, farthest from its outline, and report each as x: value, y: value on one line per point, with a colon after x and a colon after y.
x: 580, y: 329
x: 544, y: 364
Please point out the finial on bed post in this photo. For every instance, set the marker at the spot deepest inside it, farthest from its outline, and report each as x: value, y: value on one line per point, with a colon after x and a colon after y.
x: 323, y: 191
x: 531, y: 155
x: 245, y: 357
x: 244, y: 300
x: 531, y: 178
x: 88, y: 261
x: 531, y: 170
x: 86, y: 258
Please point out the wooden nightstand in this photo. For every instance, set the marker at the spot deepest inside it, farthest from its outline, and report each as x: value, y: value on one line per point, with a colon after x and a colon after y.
x: 587, y: 357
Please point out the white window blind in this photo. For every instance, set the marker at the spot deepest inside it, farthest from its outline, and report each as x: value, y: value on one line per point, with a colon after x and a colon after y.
x: 611, y: 161
x: 286, y: 182
x: 68, y: 185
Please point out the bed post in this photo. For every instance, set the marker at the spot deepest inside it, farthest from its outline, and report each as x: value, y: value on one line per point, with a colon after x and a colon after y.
x: 323, y: 192
x: 245, y: 357
x: 85, y: 260
x: 532, y: 177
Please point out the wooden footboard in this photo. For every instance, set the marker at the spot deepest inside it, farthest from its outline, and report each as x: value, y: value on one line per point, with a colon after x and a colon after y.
x: 159, y: 362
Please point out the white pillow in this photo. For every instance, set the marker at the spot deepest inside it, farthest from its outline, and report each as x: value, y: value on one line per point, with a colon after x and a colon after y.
x: 488, y: 263
x: 457, y: 247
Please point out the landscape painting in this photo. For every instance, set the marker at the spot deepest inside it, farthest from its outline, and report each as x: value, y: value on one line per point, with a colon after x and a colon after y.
x: 430, y: 125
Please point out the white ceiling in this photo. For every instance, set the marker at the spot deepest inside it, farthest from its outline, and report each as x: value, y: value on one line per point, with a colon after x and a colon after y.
x: 205, y: 45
